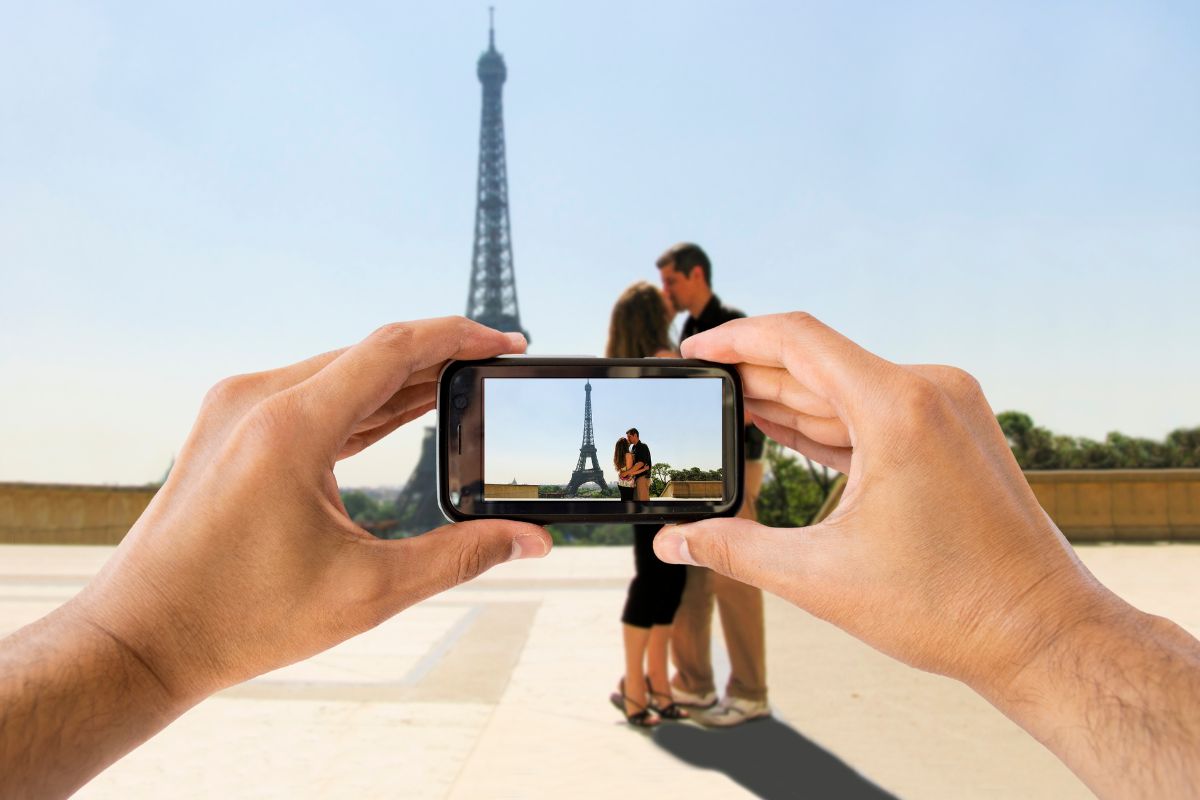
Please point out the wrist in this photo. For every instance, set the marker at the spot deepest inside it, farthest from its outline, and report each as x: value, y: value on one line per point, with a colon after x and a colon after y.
x: 1044, y: 648
x: 133, y: 666
x: 1017, y: 627
x: 77, y: 698
x: 156, y: 645
x: 1115, y: 697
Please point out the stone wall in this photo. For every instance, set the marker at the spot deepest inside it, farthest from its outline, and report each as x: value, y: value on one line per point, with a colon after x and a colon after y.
x: 1109, y: 505
x: 48, y: 513
x: 505, y: 491
x: 1088, y: 505
x: 1121, y: 505
x: 695, y: 489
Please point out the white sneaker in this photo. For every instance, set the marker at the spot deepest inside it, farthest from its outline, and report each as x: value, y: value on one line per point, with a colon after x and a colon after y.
x: 734, y: 711
x: 693, y: 700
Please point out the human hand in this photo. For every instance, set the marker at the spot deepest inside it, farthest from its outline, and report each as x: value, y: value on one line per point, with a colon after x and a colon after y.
x: 246, y: 561
x: 938, y: 553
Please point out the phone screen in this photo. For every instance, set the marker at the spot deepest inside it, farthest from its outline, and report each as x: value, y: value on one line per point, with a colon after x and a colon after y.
x: 604, y: 440
x: 576, y: 439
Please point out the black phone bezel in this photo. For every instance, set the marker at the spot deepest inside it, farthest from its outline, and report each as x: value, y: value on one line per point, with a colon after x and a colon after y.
x: 460, y: 420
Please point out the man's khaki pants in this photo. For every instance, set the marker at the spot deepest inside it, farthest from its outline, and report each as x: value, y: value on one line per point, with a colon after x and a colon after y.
x: 741, y: 608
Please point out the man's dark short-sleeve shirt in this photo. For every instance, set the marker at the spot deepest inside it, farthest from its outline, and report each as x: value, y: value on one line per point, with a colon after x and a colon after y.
x: 717, y: 313
x: 642, y: 453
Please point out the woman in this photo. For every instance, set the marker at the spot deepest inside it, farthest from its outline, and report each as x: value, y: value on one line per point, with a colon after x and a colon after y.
x: 640, y: 328
x: 623, y: 461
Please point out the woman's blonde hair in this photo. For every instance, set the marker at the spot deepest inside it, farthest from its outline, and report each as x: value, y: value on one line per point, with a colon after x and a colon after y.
x: 639, y: 327
x: 619, y: 453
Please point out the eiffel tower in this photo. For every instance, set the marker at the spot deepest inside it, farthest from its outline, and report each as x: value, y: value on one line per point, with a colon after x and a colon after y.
x: 587, y: 451
x: 417, y: 509
x: 492, y: 298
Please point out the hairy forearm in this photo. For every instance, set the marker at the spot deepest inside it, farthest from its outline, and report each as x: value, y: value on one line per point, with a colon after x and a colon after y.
x: 73, y: 699
x: 1118, y: 700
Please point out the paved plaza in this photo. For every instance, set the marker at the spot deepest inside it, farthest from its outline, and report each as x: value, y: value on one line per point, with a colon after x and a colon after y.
x: 499, y: 689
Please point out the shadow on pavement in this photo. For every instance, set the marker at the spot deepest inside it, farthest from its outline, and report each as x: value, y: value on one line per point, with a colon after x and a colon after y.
x: 767, y: 758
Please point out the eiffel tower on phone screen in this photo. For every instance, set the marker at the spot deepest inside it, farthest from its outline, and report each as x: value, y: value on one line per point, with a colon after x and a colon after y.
x: 587, y: 452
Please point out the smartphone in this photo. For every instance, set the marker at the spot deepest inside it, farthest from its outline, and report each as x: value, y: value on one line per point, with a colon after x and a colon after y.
x: 543, y: 439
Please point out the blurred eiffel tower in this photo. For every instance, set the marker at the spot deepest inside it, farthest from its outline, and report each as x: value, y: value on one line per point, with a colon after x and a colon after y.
x: 492, y: 298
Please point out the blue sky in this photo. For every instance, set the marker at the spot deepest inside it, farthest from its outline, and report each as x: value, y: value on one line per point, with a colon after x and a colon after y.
x: 191, y: 191
x: 533, y: 429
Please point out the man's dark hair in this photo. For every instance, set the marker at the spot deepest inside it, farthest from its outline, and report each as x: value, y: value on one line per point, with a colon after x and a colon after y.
x: 685, y: 257
x: 634, y: 432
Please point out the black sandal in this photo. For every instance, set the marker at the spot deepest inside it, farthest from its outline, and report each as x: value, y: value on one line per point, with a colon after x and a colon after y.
x: 646, y: 718
x: 671, y: 710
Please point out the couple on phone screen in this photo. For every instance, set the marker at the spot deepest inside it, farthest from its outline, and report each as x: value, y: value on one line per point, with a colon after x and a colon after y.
x: 632, y: 460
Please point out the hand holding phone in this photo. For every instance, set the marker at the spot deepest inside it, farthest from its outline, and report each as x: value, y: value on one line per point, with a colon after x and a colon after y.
x: 940, y: 555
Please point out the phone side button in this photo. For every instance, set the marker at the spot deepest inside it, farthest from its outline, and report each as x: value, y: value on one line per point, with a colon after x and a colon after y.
x: 459, y: 434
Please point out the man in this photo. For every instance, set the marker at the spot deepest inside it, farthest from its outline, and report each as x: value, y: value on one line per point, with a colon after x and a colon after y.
x: 246, y: 561
x: 687, y: 281
x: 641, y: 464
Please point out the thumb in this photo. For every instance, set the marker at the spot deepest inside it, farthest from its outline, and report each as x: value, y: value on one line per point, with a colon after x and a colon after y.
x: 454, y: 554
x: 769, y: 558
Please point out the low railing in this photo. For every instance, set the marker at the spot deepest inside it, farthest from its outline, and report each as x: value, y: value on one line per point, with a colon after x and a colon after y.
x: 52, y: 513
x: 1133, y: 505
x: 694, y: 489
x: 503, y: 491
x: 1108, y: 505
x: 1127, y: 505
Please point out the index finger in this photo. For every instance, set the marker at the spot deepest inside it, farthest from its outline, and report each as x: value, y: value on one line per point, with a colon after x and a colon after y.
x: 821, y: 359
x: 360, y: 380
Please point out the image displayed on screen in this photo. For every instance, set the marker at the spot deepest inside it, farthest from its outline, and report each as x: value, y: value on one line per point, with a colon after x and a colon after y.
x: 566, y: 438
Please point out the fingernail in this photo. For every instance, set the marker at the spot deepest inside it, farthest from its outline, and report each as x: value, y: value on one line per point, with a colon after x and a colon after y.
x: 517, y: 341
x: 528, y: 545
x: 676, y: 549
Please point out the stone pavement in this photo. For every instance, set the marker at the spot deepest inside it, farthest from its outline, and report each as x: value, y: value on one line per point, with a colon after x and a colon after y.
x: 499, y: 689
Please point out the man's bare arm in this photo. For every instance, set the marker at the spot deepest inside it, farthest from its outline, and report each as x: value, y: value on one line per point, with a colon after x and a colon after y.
x: 72, y: 700
x: 1117, y: 698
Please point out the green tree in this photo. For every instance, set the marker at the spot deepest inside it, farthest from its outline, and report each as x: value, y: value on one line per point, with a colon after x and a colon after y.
x: 1088, y: 454
x: 1037, y: 448
x: 659, y: 474
x: 360, y: 507
x: 822, y: 475
x: 695, y: 474
x: 1184, y: 445
x: 1134, y: 453
x: 1034, y: 447
x: 664, y: 473
x: 791, y: 494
